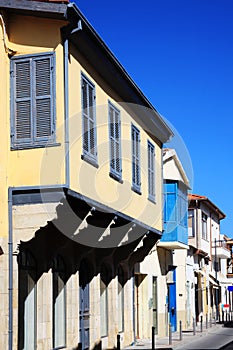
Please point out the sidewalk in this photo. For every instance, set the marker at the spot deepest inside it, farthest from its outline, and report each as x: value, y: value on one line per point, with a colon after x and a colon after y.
x: 214, y: 337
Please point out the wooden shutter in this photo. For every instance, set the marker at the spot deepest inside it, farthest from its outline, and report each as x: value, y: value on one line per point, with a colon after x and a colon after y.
x: 115, y: 141
x: 32, y: 100
x: 136, y: 158
x: 88, y: 116
x: 151, y: 171
x: 43, y: 128
x: 22, y: 91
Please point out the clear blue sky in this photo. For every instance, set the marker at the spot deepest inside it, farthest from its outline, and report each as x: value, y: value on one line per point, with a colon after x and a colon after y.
x: 180, y: 54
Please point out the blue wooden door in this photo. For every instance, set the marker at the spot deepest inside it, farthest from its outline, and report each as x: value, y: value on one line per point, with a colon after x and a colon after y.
x: 84, y: 308
x: 172, y: 303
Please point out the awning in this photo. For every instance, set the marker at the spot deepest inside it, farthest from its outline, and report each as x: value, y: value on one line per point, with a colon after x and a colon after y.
x: 213, y: 282
x: 200, y: 272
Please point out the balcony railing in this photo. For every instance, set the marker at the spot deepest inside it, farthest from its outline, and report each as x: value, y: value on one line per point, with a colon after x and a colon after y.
x: 221, y: 250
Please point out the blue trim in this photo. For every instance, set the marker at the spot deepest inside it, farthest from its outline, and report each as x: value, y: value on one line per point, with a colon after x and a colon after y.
x: 25, y: 147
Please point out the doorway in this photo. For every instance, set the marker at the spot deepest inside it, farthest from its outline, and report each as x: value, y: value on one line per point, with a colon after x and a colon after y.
x: 172, y: 303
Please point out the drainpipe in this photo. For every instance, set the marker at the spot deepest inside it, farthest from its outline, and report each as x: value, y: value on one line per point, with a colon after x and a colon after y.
x: 197, y: 230
x: 66, y: 111
x: 10, y: 261
x: 10, y: 52
x: 66, y: 34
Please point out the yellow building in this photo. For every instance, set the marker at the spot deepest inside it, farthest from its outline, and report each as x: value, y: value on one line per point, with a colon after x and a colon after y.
x: 81, y: 181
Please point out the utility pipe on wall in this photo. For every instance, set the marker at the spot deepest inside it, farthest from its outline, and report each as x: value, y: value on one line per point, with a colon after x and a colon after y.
x: 10, y: 272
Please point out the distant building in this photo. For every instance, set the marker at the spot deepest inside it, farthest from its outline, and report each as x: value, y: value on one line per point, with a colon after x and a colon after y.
x: 207, y: 258
x: 174, y: 241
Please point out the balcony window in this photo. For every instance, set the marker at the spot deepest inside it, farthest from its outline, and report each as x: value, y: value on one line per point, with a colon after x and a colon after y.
x: 191, y: 225
x: 204, y: 226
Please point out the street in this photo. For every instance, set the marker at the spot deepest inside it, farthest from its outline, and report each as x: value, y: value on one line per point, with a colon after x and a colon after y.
x: 221, y: 338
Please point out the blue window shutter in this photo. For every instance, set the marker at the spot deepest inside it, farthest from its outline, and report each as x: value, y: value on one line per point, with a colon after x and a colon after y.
x: 43, y: 70
x: 22, y: 90
x: 136, y: 178
x: 151, y: 170
x: 88, y: 119
x: 115, y: 141
x: 33, y: 100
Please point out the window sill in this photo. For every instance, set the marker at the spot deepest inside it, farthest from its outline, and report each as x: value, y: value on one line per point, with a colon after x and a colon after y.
x: 90, y: 160
x: 59, y: 347
x: 136, y: 190
x: 152, y: 199
x: 24, y: 147
x: 116, y: 177
x: 104, y: 336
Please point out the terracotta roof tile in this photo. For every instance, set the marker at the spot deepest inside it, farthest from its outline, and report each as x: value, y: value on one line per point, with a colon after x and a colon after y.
x: 196, y: 196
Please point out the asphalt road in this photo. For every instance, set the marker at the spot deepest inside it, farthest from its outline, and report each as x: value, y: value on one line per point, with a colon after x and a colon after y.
x: 228, y: 347
x: 216, y: 340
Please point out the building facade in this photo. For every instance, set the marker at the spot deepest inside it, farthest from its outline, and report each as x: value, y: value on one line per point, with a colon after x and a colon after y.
x: 207, y: 259
x: 81, y: 182
x: 174, y: 241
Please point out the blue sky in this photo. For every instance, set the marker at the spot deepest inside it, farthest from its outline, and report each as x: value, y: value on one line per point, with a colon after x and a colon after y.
x: 180, y: 54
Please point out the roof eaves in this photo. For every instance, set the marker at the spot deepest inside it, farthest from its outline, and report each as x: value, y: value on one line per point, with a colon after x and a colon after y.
x: 209, y: 203
x: 35, y: 8
x: 163, y: 128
